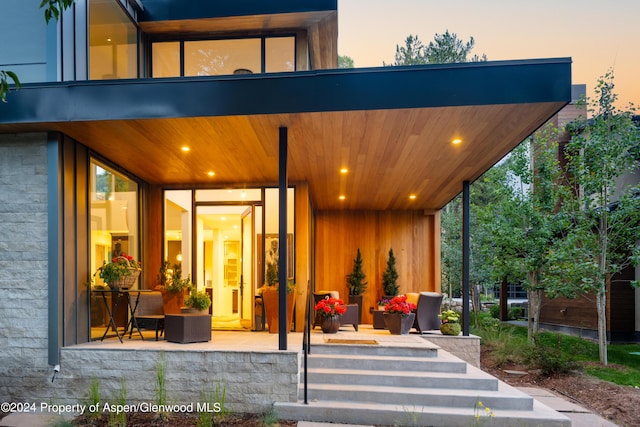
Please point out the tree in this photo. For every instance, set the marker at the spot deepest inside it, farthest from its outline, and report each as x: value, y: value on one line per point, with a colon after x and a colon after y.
x: 345, y: 61
x: 355, y: 279
x: 52, y: 10
x: 390, y: 276
x: 445, y: 48
x: 606, y: 218
x: 527, y: 226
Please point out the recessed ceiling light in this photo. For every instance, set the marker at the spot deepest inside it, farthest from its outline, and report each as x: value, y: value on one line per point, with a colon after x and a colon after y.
x: 412, y: 196
x: 342, y: 197
x: 185, y: 148
x: 456, y: 141
x: 211, y: 173
x: 344, y: 170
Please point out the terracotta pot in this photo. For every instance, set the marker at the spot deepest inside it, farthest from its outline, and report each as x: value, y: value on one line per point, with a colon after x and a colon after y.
x: 450, y: 329
x: 330, y: 324
x: 172, y: 301
x: 271, y: 303
x: 399, y: 324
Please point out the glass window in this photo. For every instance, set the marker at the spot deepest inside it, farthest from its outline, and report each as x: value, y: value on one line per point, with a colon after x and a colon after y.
x: 279, y: 54
x: 114, y: 231
x: 113, y: 42
x: 114, y: 215
x: 166, y: 59
x: 223, y: 57
x: 177, y: 230
x: 218, y: 57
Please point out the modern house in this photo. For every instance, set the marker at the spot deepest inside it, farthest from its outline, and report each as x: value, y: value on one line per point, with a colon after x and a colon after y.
x: 200, y: 132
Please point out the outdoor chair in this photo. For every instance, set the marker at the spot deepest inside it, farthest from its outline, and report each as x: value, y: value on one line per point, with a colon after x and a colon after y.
x: 427, y: 311
x: 350, y: 317
x: 150, y: 313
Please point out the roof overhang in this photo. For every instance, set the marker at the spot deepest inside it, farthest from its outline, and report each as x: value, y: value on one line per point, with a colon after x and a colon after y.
x: 391, y: 127
x: 166, y: 17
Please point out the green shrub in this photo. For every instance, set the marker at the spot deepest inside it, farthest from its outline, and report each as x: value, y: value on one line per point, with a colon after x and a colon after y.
x: 494, y: 310
x: 550, y: 360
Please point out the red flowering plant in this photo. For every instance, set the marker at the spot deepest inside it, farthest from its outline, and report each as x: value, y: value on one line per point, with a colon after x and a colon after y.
x: 399, y: 305
x: 120, y: 266
x: 330, y: 306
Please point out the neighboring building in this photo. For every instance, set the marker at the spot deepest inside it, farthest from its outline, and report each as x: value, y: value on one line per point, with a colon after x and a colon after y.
x: 91, y: 157
x: 579, y: 315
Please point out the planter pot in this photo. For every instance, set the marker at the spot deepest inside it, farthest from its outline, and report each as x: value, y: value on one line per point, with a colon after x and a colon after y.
x: 399, y: 324
x: 450, y: 329
x: 271, y: 308
x: 330, y: 324
x: 357, y: 299
x: 172, y: 301
x: 191, y: 310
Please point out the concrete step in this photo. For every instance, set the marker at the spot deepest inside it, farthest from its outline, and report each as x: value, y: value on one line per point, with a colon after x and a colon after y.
x: 476, y: 380
x: 442, y: 363
x: 502, y: 398
x: 418, y: 348
x: 349, y: 412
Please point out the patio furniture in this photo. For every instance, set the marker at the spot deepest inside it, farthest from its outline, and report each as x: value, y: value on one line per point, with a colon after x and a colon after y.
x: 427, y: 310
x: 187, y: 328
x: 150, y: 313
x: 119, y: 297
x: 350, y: 317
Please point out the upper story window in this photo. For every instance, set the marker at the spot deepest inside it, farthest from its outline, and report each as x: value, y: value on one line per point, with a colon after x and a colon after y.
x: 225, y: 56
x: 113, y: 42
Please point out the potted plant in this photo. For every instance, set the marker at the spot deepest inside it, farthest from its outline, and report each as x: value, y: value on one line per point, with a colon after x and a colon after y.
x: 330, y: 310
x: 198, y: 301
x: 450, y: 323
x: 390, y: 277
x: 399, y: 315
x: 173, y: 287
x: 121, y: 273
x: 382, y: 302
x: 356, y: 284
x: 271, y: 300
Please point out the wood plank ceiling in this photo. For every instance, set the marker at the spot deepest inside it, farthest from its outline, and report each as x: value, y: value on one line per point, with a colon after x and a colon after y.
x: 390, y: 154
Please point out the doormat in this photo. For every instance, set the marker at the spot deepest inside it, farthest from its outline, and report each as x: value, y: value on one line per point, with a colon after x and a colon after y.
x: 347, y: 341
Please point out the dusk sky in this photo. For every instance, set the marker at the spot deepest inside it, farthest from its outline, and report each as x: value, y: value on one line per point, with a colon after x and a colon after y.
x: 597, y: 35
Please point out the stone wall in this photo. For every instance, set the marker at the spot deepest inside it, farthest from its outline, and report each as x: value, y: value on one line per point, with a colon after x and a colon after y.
x: 23, y: 266
x: 252, y: 380
x: 466, y: 348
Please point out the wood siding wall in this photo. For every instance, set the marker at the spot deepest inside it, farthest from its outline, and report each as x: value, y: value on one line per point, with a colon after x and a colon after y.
x: 303, y: 253
x: 581, y: 312
x: 323, y: 44
x: 413, y: 236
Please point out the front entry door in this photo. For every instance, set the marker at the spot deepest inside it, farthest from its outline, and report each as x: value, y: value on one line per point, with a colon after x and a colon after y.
x: 224, y: 262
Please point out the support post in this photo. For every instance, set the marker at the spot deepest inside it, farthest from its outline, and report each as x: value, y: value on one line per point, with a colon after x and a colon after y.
x: 282, y: 238
x: 465, y: 257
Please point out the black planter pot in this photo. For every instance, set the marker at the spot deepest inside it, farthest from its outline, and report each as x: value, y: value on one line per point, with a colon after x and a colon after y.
x: 357, y: 299
x: 399, y: 324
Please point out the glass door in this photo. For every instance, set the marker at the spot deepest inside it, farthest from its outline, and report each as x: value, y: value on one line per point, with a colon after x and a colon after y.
x: 223, y: 263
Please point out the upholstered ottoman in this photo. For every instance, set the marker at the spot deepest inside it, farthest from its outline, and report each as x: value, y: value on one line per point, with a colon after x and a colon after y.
x: 186, y: 328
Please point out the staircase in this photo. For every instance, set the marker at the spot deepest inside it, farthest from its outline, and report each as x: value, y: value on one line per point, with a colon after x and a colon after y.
x: 407, y: 381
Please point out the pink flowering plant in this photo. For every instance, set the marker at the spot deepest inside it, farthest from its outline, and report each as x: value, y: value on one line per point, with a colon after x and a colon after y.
x: 399, y: 305
x: 330, y: 306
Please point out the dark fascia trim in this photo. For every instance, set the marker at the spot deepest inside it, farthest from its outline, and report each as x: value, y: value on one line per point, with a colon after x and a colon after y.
x: 483, y: 83
x: 173, y: 10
